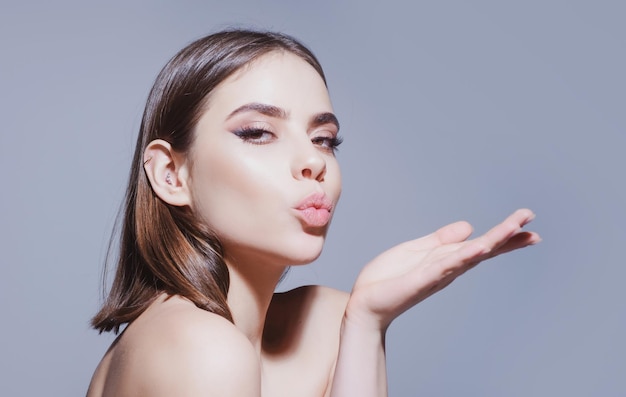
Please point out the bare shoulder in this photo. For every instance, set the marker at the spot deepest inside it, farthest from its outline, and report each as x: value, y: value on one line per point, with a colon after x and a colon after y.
x: 174, y: 348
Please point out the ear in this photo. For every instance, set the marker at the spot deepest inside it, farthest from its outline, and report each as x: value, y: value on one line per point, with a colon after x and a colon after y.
x: 167, y: 172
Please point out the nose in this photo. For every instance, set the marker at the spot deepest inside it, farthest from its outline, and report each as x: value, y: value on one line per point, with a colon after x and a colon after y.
x: 308, y: 162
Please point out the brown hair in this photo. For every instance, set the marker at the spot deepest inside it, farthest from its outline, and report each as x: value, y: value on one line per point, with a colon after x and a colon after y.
x: 164, y: 248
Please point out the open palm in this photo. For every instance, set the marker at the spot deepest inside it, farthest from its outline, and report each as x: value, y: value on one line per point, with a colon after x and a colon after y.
x: 410, y: 272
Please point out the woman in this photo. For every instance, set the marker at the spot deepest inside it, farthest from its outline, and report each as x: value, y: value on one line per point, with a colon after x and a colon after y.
x: 234, y: 179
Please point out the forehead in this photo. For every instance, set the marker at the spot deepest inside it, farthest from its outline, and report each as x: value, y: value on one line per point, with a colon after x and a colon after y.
x: 278, y: 78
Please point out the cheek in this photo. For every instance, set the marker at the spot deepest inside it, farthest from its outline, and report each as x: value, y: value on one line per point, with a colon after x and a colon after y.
x: 234, y: 189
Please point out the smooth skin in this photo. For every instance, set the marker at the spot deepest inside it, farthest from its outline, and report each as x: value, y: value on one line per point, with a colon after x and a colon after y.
x: 311, y: 341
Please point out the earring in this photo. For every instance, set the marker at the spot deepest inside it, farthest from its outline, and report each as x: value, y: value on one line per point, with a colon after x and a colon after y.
x: 168, y: 178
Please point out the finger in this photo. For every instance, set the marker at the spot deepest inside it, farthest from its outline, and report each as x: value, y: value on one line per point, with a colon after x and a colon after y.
x: 500, y: 234
x: 504, y: 237
x: 520, y: 240
x: 452, y: 233
x: 492, y: 243
x: 441, y: 272
x: 522, y: 217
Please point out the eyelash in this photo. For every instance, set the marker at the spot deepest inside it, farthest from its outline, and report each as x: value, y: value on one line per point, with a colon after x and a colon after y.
x: 331, y: 143
x: 254, y: 136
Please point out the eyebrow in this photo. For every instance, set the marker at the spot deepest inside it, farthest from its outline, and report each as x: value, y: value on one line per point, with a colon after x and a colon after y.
x: 325, y: 118
x: 268, y: 110
x: 279, y: 113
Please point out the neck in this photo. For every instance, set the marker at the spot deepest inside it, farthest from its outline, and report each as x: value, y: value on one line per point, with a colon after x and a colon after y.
x: 251, y: 289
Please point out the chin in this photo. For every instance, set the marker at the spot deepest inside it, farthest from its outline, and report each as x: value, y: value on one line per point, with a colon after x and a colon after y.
x: 305, y: 259
x: 308, y: 249
x: 297, y: 252
x: 288, y: 251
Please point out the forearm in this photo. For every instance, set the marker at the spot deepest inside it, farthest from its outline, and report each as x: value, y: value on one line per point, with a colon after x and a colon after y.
x: 361, y: 365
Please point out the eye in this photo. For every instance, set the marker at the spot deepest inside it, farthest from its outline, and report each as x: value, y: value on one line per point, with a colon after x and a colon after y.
x: 254, y: 135
x: 329, y: 143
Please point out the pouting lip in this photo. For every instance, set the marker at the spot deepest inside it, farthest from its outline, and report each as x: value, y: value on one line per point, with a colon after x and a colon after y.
x: 315, y: 200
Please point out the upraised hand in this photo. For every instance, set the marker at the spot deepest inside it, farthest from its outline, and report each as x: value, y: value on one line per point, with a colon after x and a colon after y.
x: 410, y: 272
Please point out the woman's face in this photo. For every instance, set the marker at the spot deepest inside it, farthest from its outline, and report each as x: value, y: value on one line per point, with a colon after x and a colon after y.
x: 264, y: 175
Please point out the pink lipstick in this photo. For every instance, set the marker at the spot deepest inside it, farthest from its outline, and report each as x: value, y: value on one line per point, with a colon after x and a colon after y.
x: 315, y: 210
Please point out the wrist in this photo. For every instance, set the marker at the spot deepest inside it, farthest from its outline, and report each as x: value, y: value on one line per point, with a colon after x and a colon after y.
x: 356, y: 318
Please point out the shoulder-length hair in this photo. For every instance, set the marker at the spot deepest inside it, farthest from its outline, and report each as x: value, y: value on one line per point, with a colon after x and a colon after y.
x: 164, y: 248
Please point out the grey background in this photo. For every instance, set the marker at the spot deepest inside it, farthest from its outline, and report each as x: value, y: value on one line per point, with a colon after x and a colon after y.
x: 450, y: 110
